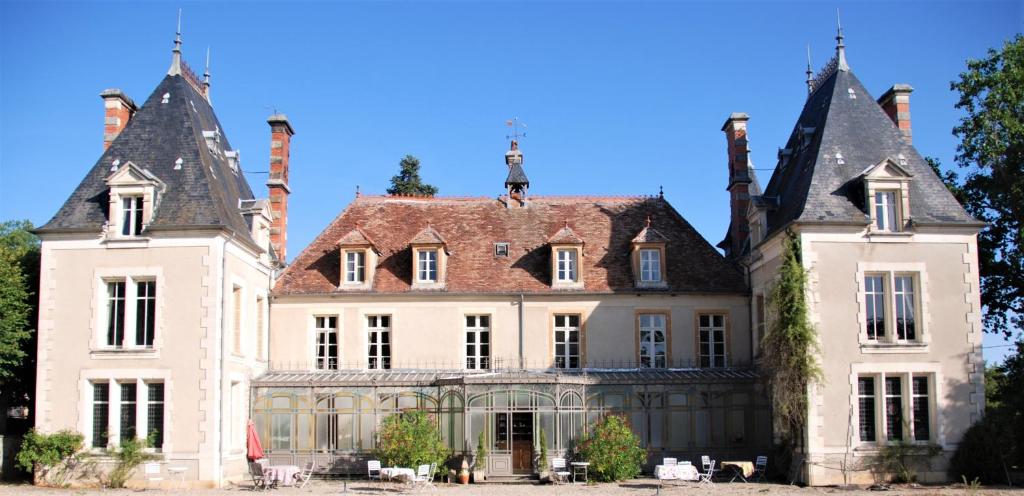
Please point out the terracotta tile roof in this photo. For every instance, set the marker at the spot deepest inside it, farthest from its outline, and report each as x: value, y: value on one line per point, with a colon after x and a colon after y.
x: 356, y: 237
x: 565, y: 236
x: 471, y: 226
x: 649, y: 235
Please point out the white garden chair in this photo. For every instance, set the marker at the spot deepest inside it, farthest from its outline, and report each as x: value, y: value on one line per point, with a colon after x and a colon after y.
x: 303, y: 477
x: 709, y: 471
x: 558, y: 469
x: 760, y: 466
x: 373, y: 469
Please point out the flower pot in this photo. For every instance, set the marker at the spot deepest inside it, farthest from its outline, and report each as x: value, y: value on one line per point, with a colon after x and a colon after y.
x: 478, y: 476
x: 464, y: 477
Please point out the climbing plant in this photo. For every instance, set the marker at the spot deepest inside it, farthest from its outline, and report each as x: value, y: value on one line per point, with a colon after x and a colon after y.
x: 790, y: 346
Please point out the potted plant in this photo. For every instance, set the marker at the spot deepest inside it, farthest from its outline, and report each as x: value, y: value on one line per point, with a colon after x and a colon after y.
x: 542, y: 458
x: 464, y: 472
x: 480, y: 461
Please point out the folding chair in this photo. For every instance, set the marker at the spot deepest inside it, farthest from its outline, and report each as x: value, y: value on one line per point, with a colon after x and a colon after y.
x: 704, y: 462
x: 259, y: 481
x: 373, y: 469
x: 760, y: 466
x: 423, y: 477
x: 558, y: 469
x: 302, y: 478
x: 709, y: 471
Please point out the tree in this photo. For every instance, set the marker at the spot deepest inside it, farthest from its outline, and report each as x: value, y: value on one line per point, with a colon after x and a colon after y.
x: 19, y: 269
x: 408, y: 181
x: 410, y: 439
x: 991, y: 150
x: 613, y: 450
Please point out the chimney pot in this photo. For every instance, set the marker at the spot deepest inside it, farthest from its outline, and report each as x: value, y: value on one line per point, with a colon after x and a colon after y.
x: 896, y: 104
x: 118, y: 109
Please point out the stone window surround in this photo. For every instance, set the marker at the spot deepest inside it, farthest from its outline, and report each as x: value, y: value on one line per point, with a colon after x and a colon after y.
x: 365, y: 335
x: 662, y: 282
x: 667, y: 314
x: 123, y: 183
x: 98, y: 347
x: 578, y: 283
x: 898, y: 184
x: 583, y: 314
x: 916, y: 269
x: 315, y: 330
x: 697, y: 313
x: 115, y: 377
x: 442, y: 266
x: 369, y: 268
x: 906, y: 370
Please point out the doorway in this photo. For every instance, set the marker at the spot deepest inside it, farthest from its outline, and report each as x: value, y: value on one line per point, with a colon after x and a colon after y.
x: 522, y: 443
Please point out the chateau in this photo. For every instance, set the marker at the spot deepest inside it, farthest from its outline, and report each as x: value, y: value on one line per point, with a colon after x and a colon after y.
x: 167, y: 309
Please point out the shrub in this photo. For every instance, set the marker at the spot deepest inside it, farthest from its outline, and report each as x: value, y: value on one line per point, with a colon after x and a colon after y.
x: 130, y: 455
x: 542, y: 461
x: 480, y: 462
x: 902, y: 459
x: 410, y: 439
x: 47, y: 455
x: 613, y: 450
x: 986, y: 450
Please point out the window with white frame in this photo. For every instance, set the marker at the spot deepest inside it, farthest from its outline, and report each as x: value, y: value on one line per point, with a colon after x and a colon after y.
x: 566, y: 265
x: 567, y: 341
x: 155, y: 413
x: 900, y: 409
x: 326, y: 342
x: 131, y: 215
x: 378, y: 328
x: 426, y: 265
x: 478, y: 342
x: 886, y: 211
x: 135, y: 401
x: 130, y: 312
x: 355, y: 267
x: 711, y: 340
x: 650, y: 265
x: 653, y: 340
x: 890, y: 300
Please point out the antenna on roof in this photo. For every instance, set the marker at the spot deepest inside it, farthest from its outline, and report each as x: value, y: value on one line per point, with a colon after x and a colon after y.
x: 176, y: 53
x: 840, y: 47
x: 514, y: 129
x: 810, y: 72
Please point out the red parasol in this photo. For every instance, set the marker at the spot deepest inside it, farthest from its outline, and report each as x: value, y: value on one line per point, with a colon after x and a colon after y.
x: 252, y: 443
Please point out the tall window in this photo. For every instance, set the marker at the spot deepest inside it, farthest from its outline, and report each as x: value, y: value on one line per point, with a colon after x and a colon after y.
x: 885, y: 211
x: 567, y: 341
x: 566, y: 265
x: 236, y: 320
x: 759, y: 310
x: 355, y: 266
x: 711, y: 340
x: 145, y: 312
x: 155, y: 413
x: 327, y: 343
x: 379, y: 341
x: 920, y: 408
x: 904, y: 307
x: 650, y: 265
x: 866, y: 408
x: 478, y: 342
x: 100, y: 414
x: 874, y: 292
x: 131, y: 215
x: 115, y: 313
x: 129, y: 401
x: 894, y: 408
x: 260, y: 331
x: 426, y: 266
x: 652, y: 340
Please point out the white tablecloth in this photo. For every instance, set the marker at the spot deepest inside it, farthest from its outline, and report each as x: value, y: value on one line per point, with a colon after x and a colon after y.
x: 283, y: 474
x: 397, y: 473
x: 676, y: 472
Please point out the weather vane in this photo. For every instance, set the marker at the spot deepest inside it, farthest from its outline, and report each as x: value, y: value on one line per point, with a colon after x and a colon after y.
x: 516, y: 129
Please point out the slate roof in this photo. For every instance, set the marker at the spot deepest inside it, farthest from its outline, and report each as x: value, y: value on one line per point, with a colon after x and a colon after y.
x: 471, y: 226
x: 204, y: 192
x: 812, y: 188
x: 516, y: 175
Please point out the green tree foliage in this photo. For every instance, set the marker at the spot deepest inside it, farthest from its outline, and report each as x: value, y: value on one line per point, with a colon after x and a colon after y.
x: 19, y: 268
x: 790, y: 345
x: 613, y: 450
x: 408, y: 181
x: 46, y: 454
x: 480, y: 462
x: 542, y: 455
x: 410, y: 439
x: 991, y: 151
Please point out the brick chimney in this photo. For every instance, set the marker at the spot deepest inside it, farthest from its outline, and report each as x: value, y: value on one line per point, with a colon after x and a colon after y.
x: 735, y: 129
x: 280, y: 145
x: 896, y: 104
x: 118, y: 109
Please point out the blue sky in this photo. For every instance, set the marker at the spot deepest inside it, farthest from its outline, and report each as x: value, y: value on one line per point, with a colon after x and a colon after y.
x: 619, y: 98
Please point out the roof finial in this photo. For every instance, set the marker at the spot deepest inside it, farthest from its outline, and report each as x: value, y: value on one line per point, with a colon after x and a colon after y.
x: 176, y: 53
x: 810, y: 72
x: 567, y: 223
x: 661, y: 191
x: 206, y: 76
x: 648, y: 223
x: 840, y: 47
x: 358, y: 194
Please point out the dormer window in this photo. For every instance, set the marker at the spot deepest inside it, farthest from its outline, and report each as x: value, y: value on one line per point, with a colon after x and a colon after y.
x: 650, y: 265
x: 887, y: 187
x: 426, y: 266
x: 131, y: 215
x: 358, y: 259
x: 566, y: 252
x: 355, y: 267
x: 649, y: 257
x: 567, y: 265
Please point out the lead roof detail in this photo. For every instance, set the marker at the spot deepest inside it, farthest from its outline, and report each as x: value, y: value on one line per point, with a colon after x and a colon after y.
x: 471, y: 226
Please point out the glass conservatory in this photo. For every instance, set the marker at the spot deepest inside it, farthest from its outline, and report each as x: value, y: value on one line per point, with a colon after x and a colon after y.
x: 332, y: 417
